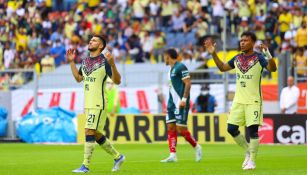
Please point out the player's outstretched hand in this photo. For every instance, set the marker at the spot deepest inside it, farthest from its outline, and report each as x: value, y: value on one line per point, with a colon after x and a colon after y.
x: 265, y: 50
x: 210, y: 45
x: 70, y: 55
x: 109, y: 57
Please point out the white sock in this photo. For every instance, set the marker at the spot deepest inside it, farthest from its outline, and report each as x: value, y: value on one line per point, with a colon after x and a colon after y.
x: 197, y: 146
x: 172, y: 155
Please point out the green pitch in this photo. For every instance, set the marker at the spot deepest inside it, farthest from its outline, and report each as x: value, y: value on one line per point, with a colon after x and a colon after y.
x: 26, y: 159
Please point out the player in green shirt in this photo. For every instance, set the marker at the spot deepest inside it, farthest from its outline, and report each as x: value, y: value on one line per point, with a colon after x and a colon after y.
x: 246, y: 109
x: 93, y: 72
x: 112, y: 94
x: 178, y: 106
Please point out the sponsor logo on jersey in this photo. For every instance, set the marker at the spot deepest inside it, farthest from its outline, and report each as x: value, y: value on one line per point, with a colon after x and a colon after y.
x: 90, y: 79
x: 247, y: 77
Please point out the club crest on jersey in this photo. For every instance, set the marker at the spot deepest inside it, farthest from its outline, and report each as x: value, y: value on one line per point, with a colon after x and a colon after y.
x: 246, y: 63
x: 89, y: 65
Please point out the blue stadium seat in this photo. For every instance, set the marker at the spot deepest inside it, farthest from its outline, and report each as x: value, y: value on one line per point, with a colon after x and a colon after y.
x: 170, y: 39
x: 180, y: 39
x: 190, y: 38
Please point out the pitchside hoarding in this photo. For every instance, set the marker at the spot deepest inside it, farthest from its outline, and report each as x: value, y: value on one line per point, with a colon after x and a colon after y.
x: 284, y: 129
x: 206, y: 128
x: 143, y: 99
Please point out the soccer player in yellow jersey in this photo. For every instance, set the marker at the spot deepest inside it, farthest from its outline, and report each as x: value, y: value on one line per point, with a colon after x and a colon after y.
x: 93, y: 72
x: 246, y: 109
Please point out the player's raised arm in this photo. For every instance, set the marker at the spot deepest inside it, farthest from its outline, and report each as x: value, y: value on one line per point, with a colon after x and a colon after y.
x: 271, y: 61
x: 116, y: 78
x: 70, y: 56
x: 210, y: 46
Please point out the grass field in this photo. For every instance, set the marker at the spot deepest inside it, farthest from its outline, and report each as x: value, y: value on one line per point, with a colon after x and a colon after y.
x: 27, y: 159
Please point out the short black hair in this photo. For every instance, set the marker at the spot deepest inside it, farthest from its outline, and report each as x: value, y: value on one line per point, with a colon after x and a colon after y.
x: 102, y: 39
x: 250, y: 34
x: 172, y: 53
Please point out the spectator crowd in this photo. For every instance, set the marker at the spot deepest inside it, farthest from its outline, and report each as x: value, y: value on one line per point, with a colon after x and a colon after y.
x: 37, y: 33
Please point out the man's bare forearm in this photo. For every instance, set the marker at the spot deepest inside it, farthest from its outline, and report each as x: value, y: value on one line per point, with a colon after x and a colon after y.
x: 272, y: 65
x: 116, y: 78
x: 75, y: 72
x: 187, y: 89
x: 218, y: 62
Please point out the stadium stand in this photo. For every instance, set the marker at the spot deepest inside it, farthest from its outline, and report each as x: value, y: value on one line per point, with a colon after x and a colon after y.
x: 136, y: 75
x: 34, y: 34
x: 36, y: 31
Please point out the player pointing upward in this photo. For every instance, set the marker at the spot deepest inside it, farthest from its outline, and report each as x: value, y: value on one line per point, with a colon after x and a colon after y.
x: 93, y: 72
x: 246, y: 109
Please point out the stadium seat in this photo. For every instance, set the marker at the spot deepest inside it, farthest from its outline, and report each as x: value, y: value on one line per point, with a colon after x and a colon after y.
x: 180, y: 40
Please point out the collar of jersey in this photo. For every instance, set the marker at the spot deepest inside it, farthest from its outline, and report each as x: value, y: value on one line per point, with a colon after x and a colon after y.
x: 95, y: 56
x: 247, y: 56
